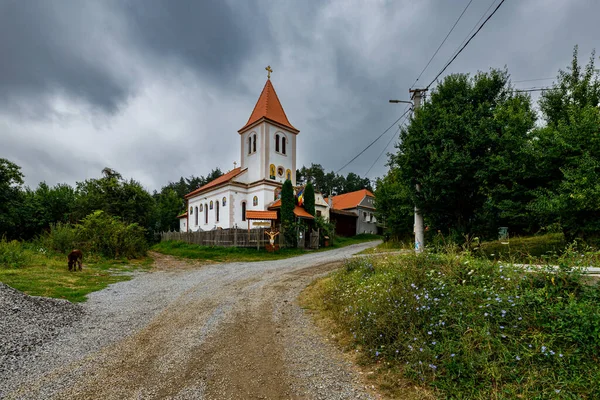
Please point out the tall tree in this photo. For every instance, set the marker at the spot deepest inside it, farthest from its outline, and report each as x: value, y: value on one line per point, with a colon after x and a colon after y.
x: 309, y: 199
x: 11, y: 198
x: 451, y: 144
x: 394, y: 205
x: 567, y: 153
x: 288, y: 219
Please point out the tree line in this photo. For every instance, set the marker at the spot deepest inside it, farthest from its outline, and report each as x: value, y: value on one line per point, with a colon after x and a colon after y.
x: 484, y: 158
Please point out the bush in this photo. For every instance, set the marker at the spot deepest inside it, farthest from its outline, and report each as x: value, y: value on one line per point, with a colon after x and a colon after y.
x: 13, y: 254
x: 99, y: 234
x: 471, y: 328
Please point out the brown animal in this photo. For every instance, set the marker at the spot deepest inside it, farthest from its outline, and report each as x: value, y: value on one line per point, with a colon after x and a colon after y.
x: 75, y: 258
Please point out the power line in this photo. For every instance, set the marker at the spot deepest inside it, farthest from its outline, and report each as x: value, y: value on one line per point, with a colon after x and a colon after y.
x: 444, y: 41
x: 466, y: 44
x: 383, y: 151
x: 532, y: 80
x: 534, y: 89
x: 378, y: 137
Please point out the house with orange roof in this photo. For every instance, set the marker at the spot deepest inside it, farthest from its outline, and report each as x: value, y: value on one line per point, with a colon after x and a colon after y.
x: 267, y: 158
x: 353, y: 213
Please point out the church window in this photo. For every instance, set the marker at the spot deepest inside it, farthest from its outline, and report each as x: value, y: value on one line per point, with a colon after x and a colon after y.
x: 249, y: 145
x: 191, y: 210
x: 272, y: 171
x: 280, y: 171
x: 243, y: 210
x: 217, y: 212
x: 196, y: 215
x: 283, y: 140
x: 318, y: 213
x: 255, y: 201
x: 206, y: 213
x: 201, y: 208
x: 211, y: 204
x: 254, y: 142
x: 277, y: 143
x: 288, y: 174
x: 224, y: 201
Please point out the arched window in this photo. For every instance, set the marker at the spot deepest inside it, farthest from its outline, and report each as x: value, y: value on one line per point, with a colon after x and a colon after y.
x: 283, y: 140
x: 217, y: 212
x: 243, y: 210
x: 191, y: 210
x: 288, y: 174
x: 206, y: 213
x: 254, y: 142
x: 196, y: 218
x: 249, y: 144
x: 277, y: 143
x: 201, y: 208
x: 224, y: 201
x: 211, y: 204
x: 272, y: 171
x: 255, y: 201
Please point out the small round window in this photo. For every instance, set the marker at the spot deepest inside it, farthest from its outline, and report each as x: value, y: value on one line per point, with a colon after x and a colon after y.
x: 280, y: 171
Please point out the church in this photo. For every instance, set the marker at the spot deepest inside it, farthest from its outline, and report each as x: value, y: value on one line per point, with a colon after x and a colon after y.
x: 268, y: 158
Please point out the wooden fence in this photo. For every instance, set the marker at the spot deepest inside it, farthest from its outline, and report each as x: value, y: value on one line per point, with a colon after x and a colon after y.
x: 225, y: 237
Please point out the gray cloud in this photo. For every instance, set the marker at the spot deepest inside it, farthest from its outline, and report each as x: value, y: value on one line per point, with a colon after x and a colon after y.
x: 158, y: 89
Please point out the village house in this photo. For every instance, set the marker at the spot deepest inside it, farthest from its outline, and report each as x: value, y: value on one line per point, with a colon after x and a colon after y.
x: 353, y: 213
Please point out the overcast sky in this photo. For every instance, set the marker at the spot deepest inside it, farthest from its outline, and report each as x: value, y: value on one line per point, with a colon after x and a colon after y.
x: 158, y: 89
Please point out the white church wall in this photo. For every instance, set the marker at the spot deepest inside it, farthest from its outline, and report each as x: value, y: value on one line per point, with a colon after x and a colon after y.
x: 252, y: 161
x: 279, y: 159
x: 182, y: 224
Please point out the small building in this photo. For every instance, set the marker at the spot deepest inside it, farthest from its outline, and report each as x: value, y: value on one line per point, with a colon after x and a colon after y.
x: 321, y: 206
x: 353, y: 213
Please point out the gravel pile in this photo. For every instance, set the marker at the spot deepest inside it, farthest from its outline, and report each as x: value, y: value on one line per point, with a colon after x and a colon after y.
x: 27, y: 322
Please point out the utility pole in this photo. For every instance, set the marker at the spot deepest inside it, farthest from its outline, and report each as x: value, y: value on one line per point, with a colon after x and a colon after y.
x: 416, y: 96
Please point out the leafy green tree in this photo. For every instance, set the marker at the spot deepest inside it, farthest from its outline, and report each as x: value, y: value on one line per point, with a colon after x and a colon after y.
x: 567, y: 153
x: 11, y: 198
x: 45, y: 206
x: 309, y: 199
x: 168, y: 205
x: 288, y: 219
x: 459, y: 147
x: 115, y: 196
x: 393, y: 202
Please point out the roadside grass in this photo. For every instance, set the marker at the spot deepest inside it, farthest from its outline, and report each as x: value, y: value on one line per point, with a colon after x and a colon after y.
x: 389, y: 246
x: 246, y: 254
x: 39, y: 272
x: 458, y: 326
x: 523, y: 249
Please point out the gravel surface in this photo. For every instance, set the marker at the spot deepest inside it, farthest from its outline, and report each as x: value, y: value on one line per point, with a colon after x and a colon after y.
x: 184, y: 331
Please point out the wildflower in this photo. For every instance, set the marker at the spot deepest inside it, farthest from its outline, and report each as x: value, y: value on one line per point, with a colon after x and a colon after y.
x: 560, y: 355
x: 376, y: 354
x: 433, y: 367
x: 557, y: 390
x: 518, y: 358
x: 485, y: 314
x: 452, y: 355
x: 420, y: 349
x: 501, y: 326
x: 429, y: 332
x: 433, y: 343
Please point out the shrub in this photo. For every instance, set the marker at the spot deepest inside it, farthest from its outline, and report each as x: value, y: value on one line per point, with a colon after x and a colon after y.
x: 13, y: 254
x: 472, y: 328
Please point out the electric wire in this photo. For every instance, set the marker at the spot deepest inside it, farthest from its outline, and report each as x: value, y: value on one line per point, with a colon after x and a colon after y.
x: 383, y: 151
x: 532, y: 80
x: 444, y: 41
x: 466, y: 44
x: 408, y: 108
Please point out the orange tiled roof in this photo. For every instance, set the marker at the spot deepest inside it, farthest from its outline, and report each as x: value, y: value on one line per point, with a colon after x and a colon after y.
x: 182, y: 215
x: 349, y: 200
x: 302, y: 213
x: 253, y: 214
x: 222, y: 179
x: 277, y: 204
x: 269, y: 107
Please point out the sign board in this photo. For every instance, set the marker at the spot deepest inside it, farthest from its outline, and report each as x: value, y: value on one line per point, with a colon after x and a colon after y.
x: 265, y: 224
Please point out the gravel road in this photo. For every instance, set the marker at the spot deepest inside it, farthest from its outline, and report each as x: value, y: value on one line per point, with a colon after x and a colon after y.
x: 188, y: 331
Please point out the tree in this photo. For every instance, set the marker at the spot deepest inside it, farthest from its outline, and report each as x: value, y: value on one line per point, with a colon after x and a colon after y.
x: 309, y: 199
x: 288, y: 219
x: 567, y: 153
x: 11, y: 198
x: 459, y: 146
x: 394, y: 205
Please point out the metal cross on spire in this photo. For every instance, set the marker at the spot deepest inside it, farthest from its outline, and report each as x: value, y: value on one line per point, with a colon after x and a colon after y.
x: 269, y: 70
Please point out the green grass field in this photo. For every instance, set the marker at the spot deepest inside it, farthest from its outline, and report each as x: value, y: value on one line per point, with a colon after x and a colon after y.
x: 39, y: 274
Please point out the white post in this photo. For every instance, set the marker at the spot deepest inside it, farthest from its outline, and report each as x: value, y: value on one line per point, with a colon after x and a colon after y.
x: 419, y: 228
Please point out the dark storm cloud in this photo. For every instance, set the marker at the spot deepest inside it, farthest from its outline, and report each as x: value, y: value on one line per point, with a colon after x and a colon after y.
x: 211, y: 36
x: 44, y: 48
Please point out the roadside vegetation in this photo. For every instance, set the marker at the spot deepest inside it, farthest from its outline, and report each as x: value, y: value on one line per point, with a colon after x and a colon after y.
x: 231, y: 254
x: 459, y: 326
x: 111, y: 248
